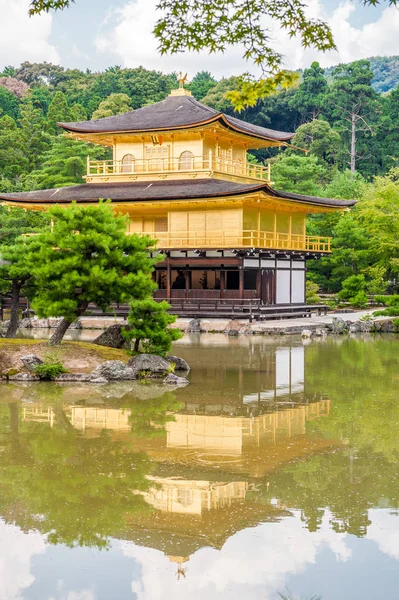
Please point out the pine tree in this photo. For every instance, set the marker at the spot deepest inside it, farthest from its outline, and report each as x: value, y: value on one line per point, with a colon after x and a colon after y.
x: 35, y: 138
x: 88, y: 257
x: 15, y: 271
x: 58, y: 111
x: 148, y: 326
x: 308, y: 99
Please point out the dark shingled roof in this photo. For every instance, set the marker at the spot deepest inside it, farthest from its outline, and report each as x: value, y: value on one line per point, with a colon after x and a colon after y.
x: 160, y: 190
x: 174, y: 112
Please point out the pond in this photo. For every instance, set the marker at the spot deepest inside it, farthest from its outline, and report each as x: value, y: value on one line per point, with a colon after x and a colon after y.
x: 274, y: 474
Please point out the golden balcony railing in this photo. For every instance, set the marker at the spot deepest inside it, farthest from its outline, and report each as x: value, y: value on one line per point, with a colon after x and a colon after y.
x: 159, y: 166
x: 247, y: 239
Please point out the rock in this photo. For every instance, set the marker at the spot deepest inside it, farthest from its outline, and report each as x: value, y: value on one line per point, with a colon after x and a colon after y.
x: 25, y: 323
x: 194, y: 326
x: 232, y: 328
x: 112, y: 337
x: 152, y: 365
x: 98, y: 380
x: 320, y: 332
x: 76, y: 324
x: 24, y: 377
x: 73, y: 377
x: 30, y: 362
x: 387, y: 326
x: 180, y: 363
x: 306, y: 333
x: 53, y: 322
x: 39, y: 323
x: 172, y: 379
x: 113, y: 370
x: 338, y: 326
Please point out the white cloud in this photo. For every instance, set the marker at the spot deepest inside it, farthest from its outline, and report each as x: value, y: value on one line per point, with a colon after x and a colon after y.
x: 127, y: 35
x: 23, y: 37
x: 253, y: 563
x: 16, y: 552
x: 384, y: 531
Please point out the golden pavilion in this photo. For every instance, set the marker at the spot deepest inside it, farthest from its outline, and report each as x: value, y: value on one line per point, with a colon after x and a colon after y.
x: 180, y: 171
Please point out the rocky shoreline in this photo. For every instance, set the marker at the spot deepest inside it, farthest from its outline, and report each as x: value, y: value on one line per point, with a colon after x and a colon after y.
x: 142, y: 367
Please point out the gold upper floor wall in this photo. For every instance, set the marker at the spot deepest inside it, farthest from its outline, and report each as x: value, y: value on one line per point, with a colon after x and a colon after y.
x: 207, y: 152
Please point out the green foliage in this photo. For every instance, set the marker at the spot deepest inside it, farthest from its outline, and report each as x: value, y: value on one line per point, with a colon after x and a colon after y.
x: 309, y: 97
x: 115, y: 104
x: 351, y: 286
x: 149, y: 327
x: 201, y: 84
x: 312, y: 296
x: 88, y: 257
x: 58, y: 111
x: 359, y: 300
x: 391, y: 311
x: 392, y: 304
x: 297, y: 173
x: 64, y: 163
x: 216, y: 27
x: 320, y: 140
x: 9, y: 104
x: 50, y: 368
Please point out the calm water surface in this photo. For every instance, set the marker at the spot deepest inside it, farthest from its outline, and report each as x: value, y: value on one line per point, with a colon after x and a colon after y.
x: 275, y: 471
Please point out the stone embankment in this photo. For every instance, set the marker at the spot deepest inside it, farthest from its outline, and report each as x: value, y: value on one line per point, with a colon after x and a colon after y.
x: 140, y: 367
x: 339, y: 326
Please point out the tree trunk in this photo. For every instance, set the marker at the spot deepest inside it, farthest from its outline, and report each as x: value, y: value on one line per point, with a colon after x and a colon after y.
x: 353, y: 145
x: 59, y: 333
x: 136, y: 344
x: 13, y: 326
x: 63, y: 327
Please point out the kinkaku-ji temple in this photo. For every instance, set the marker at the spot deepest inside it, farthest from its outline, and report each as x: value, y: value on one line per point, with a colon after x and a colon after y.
x: 180, y: 171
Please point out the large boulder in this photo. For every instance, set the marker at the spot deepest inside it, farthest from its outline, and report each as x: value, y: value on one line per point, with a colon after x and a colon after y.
x: 306, y: 333
x: 30, y: 362
x: 149, y: 365
x: 194, y: 326
x: 338, y: 326
x: 112, y: 337
x: 180, y: 364
x: 113, y: 370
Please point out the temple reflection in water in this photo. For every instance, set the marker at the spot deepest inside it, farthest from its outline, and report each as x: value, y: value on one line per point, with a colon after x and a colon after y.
x: 213, y: 455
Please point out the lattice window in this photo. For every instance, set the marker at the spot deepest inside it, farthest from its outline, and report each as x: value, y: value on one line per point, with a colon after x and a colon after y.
x: 128, y: 163
x: 186, y: 160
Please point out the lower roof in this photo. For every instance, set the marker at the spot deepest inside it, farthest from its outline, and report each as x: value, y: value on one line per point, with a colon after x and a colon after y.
x: 160, y: 190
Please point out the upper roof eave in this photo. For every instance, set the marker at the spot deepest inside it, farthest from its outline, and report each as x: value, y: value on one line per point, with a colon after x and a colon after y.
x: 172, y: 114
x: 222, y: 119
x: 163, y: 191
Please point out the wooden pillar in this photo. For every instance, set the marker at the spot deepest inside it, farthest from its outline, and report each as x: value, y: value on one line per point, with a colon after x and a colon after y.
x: 187, y: 279
x: 168, y: 278
x: 222, y: 283
x: 241, y: 282
x: 258, y: 283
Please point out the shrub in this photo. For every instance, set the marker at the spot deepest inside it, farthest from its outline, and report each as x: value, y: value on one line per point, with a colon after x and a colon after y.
x: 360, y: 300
x: 311, y: 293
x: 351, y: 286
x: 149, y: 327
x: 50, y: 368
x: 391, y: 311
x: 388, y: 300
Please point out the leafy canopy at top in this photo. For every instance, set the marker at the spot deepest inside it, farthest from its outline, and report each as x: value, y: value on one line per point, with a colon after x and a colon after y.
x: 219, y: 24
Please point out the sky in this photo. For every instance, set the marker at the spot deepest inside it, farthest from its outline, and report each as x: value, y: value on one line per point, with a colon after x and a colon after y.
x: 96, y: 34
